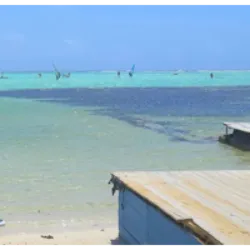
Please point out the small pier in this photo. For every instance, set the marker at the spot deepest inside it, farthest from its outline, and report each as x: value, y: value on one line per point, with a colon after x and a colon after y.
x: 241, y: 126
x: 183, y: 207
x: 239, y: 138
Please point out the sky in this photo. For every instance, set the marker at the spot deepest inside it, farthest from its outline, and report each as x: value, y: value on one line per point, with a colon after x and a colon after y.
x: 115, y: 37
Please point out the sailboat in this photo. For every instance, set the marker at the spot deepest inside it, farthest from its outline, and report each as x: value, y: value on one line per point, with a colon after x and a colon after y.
x: 131, y: 72
x: 58, y: 74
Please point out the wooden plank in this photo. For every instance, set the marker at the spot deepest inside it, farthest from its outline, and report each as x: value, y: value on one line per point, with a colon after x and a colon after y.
x: 215, y: 203
x: 242, y: 126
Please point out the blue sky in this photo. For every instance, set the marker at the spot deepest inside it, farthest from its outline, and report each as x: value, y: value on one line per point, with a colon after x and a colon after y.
x: 115, y: 37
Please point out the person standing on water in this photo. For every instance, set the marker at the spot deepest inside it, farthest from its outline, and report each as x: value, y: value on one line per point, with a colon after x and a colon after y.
x: 211, y: 75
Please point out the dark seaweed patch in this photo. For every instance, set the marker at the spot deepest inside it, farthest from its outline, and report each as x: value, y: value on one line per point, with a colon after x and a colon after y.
x: 126, y: 103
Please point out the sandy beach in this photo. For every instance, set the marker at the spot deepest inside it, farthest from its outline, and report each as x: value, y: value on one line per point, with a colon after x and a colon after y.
x: 106, y: 236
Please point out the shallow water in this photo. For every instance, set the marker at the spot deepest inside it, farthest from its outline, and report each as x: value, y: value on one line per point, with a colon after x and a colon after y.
x: 58, y: 146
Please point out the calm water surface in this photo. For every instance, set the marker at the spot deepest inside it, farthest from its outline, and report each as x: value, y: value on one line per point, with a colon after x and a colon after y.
x: 61, y: 139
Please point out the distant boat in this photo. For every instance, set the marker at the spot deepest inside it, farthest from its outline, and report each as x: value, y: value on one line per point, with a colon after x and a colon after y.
x: 66, y: 75
x: 58, y: 74
x: 177, y: 72
x: 131, y: 72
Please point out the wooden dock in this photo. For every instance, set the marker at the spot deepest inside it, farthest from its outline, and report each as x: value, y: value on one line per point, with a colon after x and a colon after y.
x: 241, y: 126
x: 184, y: 207
x: 239, y: 138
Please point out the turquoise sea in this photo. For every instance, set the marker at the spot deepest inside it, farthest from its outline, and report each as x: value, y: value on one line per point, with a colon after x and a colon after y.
x: 61, y: 139
x: 140, y: 79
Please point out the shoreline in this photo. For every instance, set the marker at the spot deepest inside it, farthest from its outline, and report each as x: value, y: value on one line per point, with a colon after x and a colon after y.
x: 106, y: 236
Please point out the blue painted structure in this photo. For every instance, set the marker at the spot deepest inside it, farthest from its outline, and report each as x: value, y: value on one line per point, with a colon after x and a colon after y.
x: 140, y: 223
